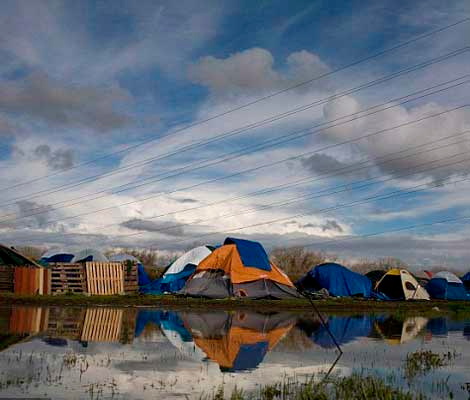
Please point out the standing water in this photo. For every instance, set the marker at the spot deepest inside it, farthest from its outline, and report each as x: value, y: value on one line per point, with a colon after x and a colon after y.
x: 103, y: 353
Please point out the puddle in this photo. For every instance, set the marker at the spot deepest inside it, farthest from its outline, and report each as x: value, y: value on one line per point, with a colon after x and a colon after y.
x: 120, y: 353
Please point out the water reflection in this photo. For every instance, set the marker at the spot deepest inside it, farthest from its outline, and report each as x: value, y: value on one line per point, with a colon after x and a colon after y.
x: 191, y: 351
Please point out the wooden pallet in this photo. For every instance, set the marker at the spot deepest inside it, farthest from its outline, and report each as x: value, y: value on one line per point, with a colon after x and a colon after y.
x: 105, y: 278
x: 131, y: 284
x: 102, y: 325
x: 67, y: 278
x: 7, y: 279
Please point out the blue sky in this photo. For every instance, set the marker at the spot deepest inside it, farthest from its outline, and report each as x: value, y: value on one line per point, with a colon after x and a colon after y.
x: 79, y: 80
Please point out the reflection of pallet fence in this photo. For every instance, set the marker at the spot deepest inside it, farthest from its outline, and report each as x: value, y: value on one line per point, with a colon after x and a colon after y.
x: 66, y: 322
x: 102, y: 325
x: 105, y: 278
x: 28, y: 320
x: 67, y: 278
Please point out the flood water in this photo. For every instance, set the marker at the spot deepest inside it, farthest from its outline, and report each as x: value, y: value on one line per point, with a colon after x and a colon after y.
x: 91, y: 353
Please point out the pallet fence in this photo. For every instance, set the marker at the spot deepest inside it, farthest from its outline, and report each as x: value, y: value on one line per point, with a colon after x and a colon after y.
x: 131, y: 283
x: 67, y: 278
x: 7, y: 279
x: 104, y: 278
x: 31, y: 281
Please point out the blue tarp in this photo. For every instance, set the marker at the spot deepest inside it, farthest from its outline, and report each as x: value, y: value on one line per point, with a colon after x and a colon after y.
x: 56, y: 258
x: 440, y: 288
x: 142, y: 276
x: 338, y: 280
x: 170, y: 283
x: 466, y: 281
x: 251, y: 253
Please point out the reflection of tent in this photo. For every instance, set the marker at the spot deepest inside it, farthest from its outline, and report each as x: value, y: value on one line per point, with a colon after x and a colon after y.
x: 11, y: 257
x: 175, y: 276
x: 239, y: 342
x: 56, y: 256
x: 88, y: 255
x: 394, y: 331
x: 338, y: 280
x: 239, y: 268
x: 441, y: 326
x: 399, y: 284
x: 344, y: 330
x: 375, y: 276
x: 142, y: 276
x: 445, y: 285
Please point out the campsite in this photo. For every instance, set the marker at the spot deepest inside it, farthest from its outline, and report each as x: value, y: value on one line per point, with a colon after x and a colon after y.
x: 235, y: 199
x: 224, y: 320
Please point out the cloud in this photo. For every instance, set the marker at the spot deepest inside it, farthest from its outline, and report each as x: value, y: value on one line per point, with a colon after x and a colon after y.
x: 251, y: 72
x: 153, y: 226
x: 39, y: 221
x: 58, y: 159
x: 413, y: 137
x: 60, y: 105
x: 7, y: 129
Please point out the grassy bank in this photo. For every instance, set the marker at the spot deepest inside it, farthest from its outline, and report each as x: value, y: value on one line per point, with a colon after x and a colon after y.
x: 295, y: 305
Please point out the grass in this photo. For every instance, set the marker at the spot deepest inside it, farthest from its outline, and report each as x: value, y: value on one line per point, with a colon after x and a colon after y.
x: 422, y: 362
x: 425, y: 308
x: 354, y: 387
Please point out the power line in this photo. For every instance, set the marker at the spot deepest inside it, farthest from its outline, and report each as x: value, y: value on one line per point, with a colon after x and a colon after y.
x: 344, y: 170
x: 397, y: 193
x: 248, y: 104
x: 233, y: 132
x: 274, y: 163
x: 273, y: 142
x: 346, y: 187
x: 322, y: 193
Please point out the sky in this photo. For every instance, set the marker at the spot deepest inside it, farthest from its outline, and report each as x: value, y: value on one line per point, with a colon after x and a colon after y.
x: 161, y: 125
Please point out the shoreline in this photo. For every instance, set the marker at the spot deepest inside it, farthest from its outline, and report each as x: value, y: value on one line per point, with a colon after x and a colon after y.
x: 348, y: 305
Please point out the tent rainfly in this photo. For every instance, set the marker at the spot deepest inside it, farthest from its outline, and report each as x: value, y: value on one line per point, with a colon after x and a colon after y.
x: 239, y: 268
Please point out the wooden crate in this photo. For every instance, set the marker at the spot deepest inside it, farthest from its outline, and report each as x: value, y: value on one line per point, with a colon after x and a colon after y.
x: 102, y: 325
x: 31, y: 281
x: 104, y: 278
x: 7, y: 279
x: 67, y: 278
x: 131, y: 283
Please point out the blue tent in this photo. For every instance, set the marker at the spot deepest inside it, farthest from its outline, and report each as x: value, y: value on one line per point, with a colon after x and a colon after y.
x: 338, y: 280
x: 446, y: 286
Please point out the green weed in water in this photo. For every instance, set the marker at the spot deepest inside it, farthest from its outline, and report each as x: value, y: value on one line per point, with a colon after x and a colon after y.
x: 422, y: 362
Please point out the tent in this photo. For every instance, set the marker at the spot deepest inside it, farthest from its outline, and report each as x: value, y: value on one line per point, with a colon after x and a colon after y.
x: 11, y: 257
x: 466, y: 281
x: 446, y: 286
x: 399, y: 284
x: 375, y: 275
x: 337, y: 279
x: 177, y: 273
x: 395, y: 331
x: 142, y: 276
x: 344, y: 329
x: 88, y: 255
x: 237, y: 342
x: 56, y: 256
x: 239, y: 268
